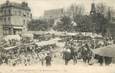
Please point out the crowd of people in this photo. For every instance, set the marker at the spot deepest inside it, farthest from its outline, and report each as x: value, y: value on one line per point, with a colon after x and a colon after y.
x: 74, y: 49
x: 26, y: 55
x: 83, y: 49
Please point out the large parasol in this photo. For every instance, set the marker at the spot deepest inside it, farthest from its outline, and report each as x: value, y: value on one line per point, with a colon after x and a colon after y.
x: 106, y: 51
x: 9, y: 48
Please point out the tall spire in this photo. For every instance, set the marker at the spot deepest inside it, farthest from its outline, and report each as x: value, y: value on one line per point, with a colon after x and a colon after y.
x: 109, y: 13
x: 93, y: 9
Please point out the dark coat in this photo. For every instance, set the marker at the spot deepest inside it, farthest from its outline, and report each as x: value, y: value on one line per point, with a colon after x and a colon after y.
x: 66, y: 55
x: 48, y: 60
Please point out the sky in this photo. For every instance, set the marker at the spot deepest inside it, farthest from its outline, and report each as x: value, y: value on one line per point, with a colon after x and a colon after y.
x: 38, y: 6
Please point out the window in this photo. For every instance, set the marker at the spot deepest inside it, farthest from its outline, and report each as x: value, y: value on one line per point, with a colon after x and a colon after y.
x: 0, y: 19
x: 9, y: 11
x: 0, y: 11
x: 28, y: 14
x: 15, y: 12
x: 4, y: 19
x: 24, y: 14
x: 4, y: 11
x: 27, y: 21
x: 8, y: 19
x: 24, y: 22
x: 20, y: 13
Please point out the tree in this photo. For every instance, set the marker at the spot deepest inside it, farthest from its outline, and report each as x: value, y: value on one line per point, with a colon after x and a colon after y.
x: 104, y: 10
x: 37, y: 25
x: 64, y: 24
x: 74, y: 10
x: 102, y: 18
x: 101, y: 8
x: 84, y: 23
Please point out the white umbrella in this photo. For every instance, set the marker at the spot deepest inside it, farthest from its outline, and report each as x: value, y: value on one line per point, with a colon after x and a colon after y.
x: 8, y: 48
x: 106, y: 51
x: 10, y: 37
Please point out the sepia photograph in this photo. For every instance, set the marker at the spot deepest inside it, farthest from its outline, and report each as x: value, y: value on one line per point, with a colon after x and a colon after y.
x: 57, y: 36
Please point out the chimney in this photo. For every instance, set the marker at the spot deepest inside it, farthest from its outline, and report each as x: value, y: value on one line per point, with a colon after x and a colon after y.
x: 7, y: 2
x: 24, y: 4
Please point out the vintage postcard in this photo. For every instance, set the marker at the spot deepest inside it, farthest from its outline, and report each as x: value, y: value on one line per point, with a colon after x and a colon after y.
x: 57, y: 36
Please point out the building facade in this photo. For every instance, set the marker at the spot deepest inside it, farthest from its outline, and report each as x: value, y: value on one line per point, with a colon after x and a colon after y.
x: 53, y: 13
x: 14, y: 17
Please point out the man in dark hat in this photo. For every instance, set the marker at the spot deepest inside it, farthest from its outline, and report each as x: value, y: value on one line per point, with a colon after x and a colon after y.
x: 67, y: 55
x: 108, y: 60
x: 48, y: 60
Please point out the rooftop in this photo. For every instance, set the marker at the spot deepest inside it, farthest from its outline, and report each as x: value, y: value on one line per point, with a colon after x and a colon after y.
x: 22, y: 5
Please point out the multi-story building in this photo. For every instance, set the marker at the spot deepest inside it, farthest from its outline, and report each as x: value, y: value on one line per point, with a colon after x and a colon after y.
x: 1, y: 29
x: 53, y: 13
x: 14, y: 17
